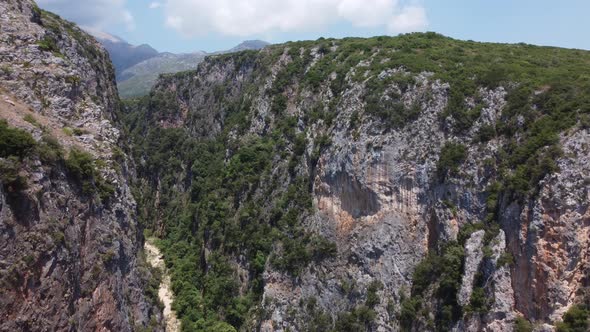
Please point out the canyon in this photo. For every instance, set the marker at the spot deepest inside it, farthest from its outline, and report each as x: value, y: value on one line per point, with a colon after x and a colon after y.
x: 410, y: 183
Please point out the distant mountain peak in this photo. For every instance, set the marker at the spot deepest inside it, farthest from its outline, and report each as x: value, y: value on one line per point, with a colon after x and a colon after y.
x: 138, y: 66
x: 255, y: 44
x: 123, y: 54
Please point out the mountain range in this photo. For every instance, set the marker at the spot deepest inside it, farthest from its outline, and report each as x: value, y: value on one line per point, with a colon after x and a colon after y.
x: 137, y: 67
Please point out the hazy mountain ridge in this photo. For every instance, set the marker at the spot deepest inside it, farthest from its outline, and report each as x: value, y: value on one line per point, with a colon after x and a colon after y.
x: 138, y: 67
x: 123, y: 55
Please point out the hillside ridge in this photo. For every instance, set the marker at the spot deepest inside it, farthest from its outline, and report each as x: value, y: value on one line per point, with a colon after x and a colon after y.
x: 390, y: 183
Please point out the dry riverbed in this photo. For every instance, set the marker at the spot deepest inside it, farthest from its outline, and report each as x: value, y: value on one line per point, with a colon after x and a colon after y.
x: 154, y: 258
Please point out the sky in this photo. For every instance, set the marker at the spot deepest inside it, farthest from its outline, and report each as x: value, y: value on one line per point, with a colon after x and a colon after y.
x: 183, y: 26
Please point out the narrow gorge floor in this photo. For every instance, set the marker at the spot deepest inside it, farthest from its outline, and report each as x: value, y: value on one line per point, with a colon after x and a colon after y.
x: 154, y: 258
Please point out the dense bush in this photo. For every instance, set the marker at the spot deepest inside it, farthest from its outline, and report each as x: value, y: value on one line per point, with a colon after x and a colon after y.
x: 49, y: 150
x: 48, y: 44
x: 81, y: 165
x: 387, y: 104
x: 444, y: 271
x: 522, y: 325
x: 14, y: 142
x: 576, y: 319
x: 478, y: 303
x: 358, y: 319
x: 452, y: 155
x: 9, y: 175
x: 409, y: 312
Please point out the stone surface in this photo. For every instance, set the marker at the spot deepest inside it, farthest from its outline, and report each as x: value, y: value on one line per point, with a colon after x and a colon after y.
x: 376, y: 196
x: 68, y: 261
x: 473, y: 257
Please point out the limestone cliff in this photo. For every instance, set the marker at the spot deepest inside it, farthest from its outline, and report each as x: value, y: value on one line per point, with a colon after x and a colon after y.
x: 69, y: 235
x: 416, y: 183
x: 448, y: 189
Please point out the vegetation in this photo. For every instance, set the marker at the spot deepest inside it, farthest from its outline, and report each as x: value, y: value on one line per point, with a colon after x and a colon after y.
x: 14, y: 142
x: 229, y: 197
x: 576, y: 319
x: 444, y: 271
x: 31, y: 119
x: 82, y: 166
x: 452, y: 155
x: 16, y: 145
x: 361, y: 317
x: 9, y: 175
x: 220, y: 217
x: 48, y: 44
x: 522, y: 325
x: 17, y: 148
x: 385, y: 103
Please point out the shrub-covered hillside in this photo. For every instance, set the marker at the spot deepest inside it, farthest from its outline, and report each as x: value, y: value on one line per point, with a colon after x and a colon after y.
x: 350, y: 184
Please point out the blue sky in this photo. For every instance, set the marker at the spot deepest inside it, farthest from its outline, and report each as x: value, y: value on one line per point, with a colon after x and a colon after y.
x: 190, y: 25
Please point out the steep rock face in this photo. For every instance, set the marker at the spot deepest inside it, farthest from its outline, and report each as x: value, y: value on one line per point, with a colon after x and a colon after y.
x: 553, y: 266
x: 68, y: 258
x: 381, y: 185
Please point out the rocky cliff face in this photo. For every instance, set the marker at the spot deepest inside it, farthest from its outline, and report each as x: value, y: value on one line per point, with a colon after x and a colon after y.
x: 69, y: 233
x: 447, y: 190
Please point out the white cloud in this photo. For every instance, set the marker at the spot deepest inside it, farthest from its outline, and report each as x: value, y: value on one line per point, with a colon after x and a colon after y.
x: 98, y: 14
x: 410, y: 18
x: 251, y: 17
x: 154, y: 5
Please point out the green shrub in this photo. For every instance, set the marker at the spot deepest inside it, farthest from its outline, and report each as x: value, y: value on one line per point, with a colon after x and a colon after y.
x: 48, y: 44
x: 279, y: 104
x: 409, y: 312
x: 575, y: 320
x: 50, y: 150
x: 74, y: 80
x: 388, y: 106
x: 522, y: 325
x: 81, y: 164
x: 105, y: 189
x: 31, y: 119
x: 79, y: 131
x: 452, y: 155
x: 506, y: 259
x: 322, y: 248
x: 359, y: 319
x: 6, y: 70
x: 294, y: 257
x: 14, y: 142
x: 82, y: 167
x: 299, y: 144
x: 372, y: 297
x: 68, y: 131
x: 478, y: 303
x: 486, y: 133
x: 222, y: 327
x: 9, y: 175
